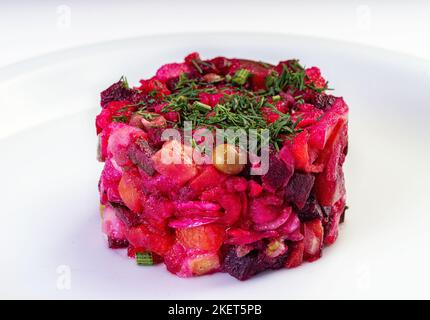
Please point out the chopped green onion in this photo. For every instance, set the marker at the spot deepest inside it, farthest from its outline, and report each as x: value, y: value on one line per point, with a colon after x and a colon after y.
x: 201, y: 106
x: 124, y: 82
x: 144, y: 259
x: 194, y: 62
x: 183, y: 79
x: 264, y: 64
x: 240, y: 77
x: 120, y: 118
x: 149, y: 116
x: 193, y: 143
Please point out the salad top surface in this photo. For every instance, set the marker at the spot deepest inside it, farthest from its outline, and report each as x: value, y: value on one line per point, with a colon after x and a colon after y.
x: 223, y: 93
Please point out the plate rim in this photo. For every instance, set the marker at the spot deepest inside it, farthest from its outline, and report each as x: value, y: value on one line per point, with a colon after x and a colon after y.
x: 15, y: 69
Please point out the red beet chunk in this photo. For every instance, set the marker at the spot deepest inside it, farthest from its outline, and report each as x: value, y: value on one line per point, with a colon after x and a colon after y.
x: 243, y: 268
x: 130, y: 218
x: 299, y: 188
x: 278, y: 175
x: 221, y: 64
x: 117, y: 243
x: 116, y: 92
x: 324, y: 101
x: 311, y: 210
x: 140, y: 154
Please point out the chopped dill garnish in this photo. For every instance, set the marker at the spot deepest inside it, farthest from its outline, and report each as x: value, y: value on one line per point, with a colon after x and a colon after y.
x: 120, y: 118
x: 239, y: 107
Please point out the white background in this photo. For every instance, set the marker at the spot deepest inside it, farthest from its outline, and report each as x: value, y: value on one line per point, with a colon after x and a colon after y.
x: 32, y: 28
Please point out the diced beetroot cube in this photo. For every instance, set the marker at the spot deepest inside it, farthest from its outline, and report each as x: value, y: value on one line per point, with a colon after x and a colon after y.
x: 140, y: 153
x: 130, y: 218
x: 278, y: 175
x: 117, y: 243
x: 155, y: 129
x: 324, y: 101
x: 299, y: 188
x: 116, y: 92
x: 311, y: 210
x: 254, y: 262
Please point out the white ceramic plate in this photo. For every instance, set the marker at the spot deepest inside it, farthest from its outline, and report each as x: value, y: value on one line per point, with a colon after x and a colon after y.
x: 50, y: 242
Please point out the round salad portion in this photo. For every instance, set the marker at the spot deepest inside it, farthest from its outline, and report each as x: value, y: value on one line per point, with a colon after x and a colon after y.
x: 223, y: 165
